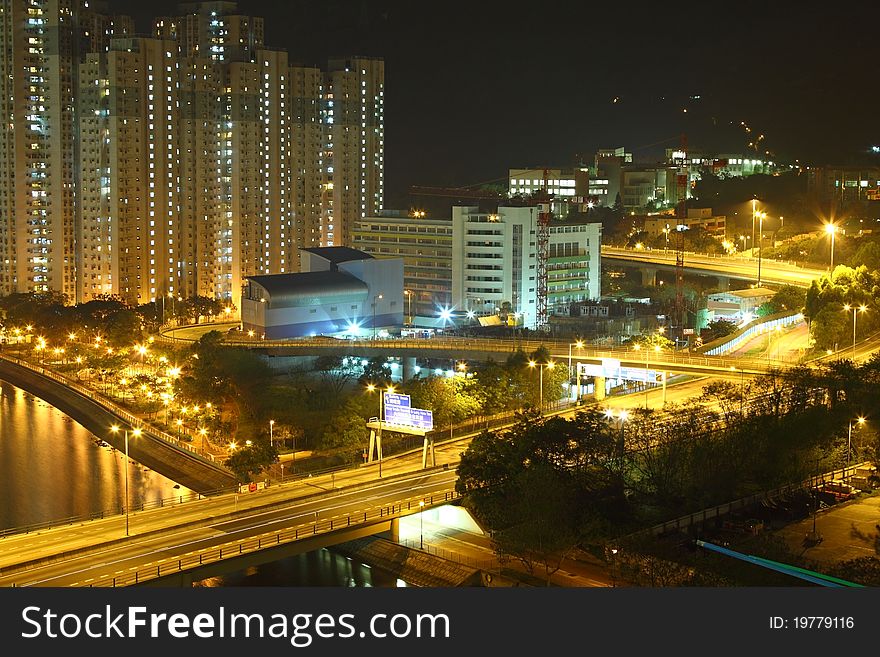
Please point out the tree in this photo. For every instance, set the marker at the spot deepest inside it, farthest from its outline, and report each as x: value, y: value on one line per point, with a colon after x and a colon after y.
x: 543, y: 485
x: 867, y: 255
x: 251, y: 460
x: 347, y: 428
x: 335, y: 373
x: 717, y: 328
x: 377, y: 371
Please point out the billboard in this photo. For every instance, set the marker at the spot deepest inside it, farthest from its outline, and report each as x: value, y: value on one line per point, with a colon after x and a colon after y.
x: 393, y: 399
x: 625, y: 373
x: 409, y: 417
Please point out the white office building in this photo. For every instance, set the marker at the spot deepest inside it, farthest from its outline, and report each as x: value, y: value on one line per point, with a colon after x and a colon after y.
x: 494, y: 262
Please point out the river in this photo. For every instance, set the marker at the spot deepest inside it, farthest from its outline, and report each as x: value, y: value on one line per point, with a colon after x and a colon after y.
x: 52, y: 468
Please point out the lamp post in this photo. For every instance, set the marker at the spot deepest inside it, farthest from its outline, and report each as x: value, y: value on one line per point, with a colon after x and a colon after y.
x: 549, y: 365
x: 461, y: 367
x: 136, y: 432
x: 580, y: 345
x: 375, y: 299
x: 861, y: 421
x: 409, y: 296
x: 831, y: 228
x: 370, y: 388
x: 421, y: 525
x: 855, y: 309
x: 622, y: 417
x: 271, y: 436
x: 761, y: 216
x: 741, y: 387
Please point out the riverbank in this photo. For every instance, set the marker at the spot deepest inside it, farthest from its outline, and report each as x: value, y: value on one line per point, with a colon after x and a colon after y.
x: 172, y: 462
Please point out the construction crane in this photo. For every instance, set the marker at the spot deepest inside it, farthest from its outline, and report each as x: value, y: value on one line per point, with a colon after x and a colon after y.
x: 544, y: 200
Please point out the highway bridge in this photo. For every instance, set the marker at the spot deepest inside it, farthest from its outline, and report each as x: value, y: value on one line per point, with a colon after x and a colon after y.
x: 181, y: 543
x: 481, y: 349
x: 724, y: 267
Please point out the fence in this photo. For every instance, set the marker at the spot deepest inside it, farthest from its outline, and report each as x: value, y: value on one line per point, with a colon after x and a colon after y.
x: 463, y: 559
x: 232, y: 549
x: 754, y: 328
x: 559, y: 349
x: 117, y: 410
x: 744, y: 502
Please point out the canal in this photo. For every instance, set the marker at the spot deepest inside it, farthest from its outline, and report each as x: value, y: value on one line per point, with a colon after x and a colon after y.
x: 52, y: 469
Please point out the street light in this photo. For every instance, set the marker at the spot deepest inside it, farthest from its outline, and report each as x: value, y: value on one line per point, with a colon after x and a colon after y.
x: 761, y: 216
x: 831, y: 229
x: 421, y: 525
x: 375, y: 299
x: 271, y: 439
x: 390, y: 389
x: 860, y: 309
x: 549, y: 365
x: 622, y: 417
x: 409, y: 296
x: 580, y: 345
x: 136, y: 432
x: 861, y: 421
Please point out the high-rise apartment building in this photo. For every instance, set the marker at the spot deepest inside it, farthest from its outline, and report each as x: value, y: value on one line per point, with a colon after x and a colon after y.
x: 41, y: 45
x: 354, y: 151
x: 151, y: 209
x: 174, y: 164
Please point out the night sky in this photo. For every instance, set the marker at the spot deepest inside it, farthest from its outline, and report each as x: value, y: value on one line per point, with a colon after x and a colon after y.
x: 473, y: 88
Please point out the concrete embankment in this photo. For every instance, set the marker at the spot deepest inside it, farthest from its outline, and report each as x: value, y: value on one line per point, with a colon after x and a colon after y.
x: 171, y: 461
x: 412, y: 566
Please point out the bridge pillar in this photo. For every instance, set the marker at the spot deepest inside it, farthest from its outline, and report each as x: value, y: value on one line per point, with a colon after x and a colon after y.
x: 649, y: 276
x: 409, y: 367
x: 723, y: 283
x: 599, y: 387
x: 395, y: 530
x: 428, y: 448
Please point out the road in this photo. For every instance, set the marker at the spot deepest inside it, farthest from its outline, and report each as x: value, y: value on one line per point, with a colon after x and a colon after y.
x: 184, y: 539
x: 476, y: 548
x: 789, y: 345
x: 772, y: 272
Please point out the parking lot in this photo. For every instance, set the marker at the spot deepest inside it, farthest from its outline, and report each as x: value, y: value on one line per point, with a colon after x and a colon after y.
x: 849, y: 530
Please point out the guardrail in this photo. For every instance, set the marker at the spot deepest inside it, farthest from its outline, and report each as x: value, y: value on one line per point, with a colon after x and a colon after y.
x: 559, y: 349
x: 750, y: 330
x: 729, y: 257
x: 463, y: 559
x: 303, y: 531
x: 115, y: 409
x: 684, y: 522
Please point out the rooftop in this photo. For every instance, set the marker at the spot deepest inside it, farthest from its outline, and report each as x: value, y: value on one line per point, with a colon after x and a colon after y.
x: 339, y: 254
x: 309, y: 288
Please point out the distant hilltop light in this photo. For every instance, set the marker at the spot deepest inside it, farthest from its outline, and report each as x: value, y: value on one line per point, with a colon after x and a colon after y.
x: 875, y: 149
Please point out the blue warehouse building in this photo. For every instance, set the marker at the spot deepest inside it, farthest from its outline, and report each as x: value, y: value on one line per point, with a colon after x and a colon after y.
x: 338, y: 291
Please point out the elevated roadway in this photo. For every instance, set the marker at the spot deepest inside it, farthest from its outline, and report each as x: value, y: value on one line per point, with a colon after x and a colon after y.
x: 480, y: 349
x: 736, y: 267
x: 177, y: 544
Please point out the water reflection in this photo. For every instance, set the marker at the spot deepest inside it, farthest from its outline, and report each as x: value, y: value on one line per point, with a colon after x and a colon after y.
x: 52, y: 468
x: 319, y: 568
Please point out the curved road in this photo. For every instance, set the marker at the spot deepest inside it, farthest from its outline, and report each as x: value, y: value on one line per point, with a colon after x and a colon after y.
x: 772, y: 271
